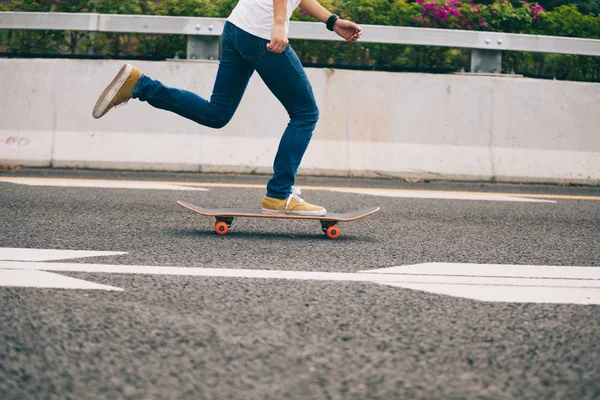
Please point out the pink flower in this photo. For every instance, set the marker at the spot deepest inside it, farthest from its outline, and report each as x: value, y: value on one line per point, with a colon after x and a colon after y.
x: 454, y: 12
x: 304, y: 12
x: 420, y: 1
x: 417, y: 18
x: 481, y: 21
x: 457, y: 3
x: 428, y: 7
x: 440, y: 14
x: 537, y: 9
x: 425, y: 20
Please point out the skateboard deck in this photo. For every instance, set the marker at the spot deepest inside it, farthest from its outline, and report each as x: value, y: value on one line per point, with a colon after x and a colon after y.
x: 224, y: 217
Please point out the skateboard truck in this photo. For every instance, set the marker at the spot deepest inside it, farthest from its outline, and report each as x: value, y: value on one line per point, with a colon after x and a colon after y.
x: 330, y: 228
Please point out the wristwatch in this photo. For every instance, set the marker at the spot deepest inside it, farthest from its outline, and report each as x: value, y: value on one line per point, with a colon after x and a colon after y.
x: 331, y: 21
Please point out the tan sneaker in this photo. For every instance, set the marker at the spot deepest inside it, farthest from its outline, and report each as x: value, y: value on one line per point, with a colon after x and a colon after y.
x: 293, y: 205
x: 118, y: 91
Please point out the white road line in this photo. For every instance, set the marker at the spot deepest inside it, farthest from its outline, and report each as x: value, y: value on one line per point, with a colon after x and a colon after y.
x: 403, y: 193
x: 511, y: 294
x: 590, y: 278
x: 47, y: 280
x: 18, y: 254
x: 100, y: 184
x: 412, y: 194
x: 576, y: 285
x: 493, y: 270
x: 416, y: 277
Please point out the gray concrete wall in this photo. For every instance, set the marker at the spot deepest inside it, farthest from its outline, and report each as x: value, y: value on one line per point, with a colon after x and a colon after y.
x: 372, y: 123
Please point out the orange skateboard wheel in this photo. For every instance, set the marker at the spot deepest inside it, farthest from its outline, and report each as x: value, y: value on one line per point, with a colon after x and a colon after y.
x: 333, y: 232
x: 221, y: 228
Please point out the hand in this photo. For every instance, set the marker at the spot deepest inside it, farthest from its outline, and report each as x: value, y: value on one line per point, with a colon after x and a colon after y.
x: 347, y: 29
x: 279, y: 39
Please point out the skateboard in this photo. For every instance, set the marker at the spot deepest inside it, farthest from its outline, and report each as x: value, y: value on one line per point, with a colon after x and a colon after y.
x: 225, y: 216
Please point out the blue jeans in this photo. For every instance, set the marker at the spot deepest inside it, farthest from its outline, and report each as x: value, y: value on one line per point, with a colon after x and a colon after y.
x: 242, y: 54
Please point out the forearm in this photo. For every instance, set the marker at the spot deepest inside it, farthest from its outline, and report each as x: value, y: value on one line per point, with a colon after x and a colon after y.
x: 279, y: 12
x: 315, y: 9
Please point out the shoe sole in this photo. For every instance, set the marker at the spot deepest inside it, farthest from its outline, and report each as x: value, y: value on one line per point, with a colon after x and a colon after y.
x: 297, y: 213
x: 111, y: 91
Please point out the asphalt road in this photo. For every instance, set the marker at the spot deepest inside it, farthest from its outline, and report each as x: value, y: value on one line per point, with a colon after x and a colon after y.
x: 195, y: 337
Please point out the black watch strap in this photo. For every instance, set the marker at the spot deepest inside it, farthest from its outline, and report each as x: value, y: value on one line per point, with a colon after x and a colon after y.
x: 331, y: 21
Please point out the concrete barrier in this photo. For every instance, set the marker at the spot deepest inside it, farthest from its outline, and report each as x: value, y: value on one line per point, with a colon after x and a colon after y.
x: 372, y: 123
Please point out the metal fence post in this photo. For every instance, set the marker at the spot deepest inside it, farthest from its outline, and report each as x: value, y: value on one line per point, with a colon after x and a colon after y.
x: 486, y: 61
x: 202, y: 47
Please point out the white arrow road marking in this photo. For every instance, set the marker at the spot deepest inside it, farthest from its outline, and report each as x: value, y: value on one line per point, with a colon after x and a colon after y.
x: 100, y: 184
x: 15, y: 254
x: 47, y: 280
x: 512, y: 294
x: 493, y: 270
x: 514, y: 283
x: 432, y: 194
x: 543, y: 284
x: 41, y: 279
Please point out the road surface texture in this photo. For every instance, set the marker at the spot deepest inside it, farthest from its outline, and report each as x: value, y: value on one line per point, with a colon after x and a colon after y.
x: 166, y: 336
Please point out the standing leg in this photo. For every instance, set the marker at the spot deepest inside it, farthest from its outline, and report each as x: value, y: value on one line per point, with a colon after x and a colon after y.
x: 285, y: 77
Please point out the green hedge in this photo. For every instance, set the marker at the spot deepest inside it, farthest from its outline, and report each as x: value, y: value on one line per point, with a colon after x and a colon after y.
x: 501, y: 16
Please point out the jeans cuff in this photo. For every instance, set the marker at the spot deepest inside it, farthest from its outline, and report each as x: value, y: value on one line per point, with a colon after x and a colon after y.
x: 276, y: 196
x: 134, y: 91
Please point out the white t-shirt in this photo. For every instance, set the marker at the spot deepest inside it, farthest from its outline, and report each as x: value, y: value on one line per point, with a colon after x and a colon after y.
x: 256, y: 16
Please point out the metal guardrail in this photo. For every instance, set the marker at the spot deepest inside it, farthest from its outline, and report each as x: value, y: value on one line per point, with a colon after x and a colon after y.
x: 203, y: 35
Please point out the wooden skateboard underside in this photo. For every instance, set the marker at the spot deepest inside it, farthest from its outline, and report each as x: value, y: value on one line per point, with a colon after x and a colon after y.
x: 224, y: 217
